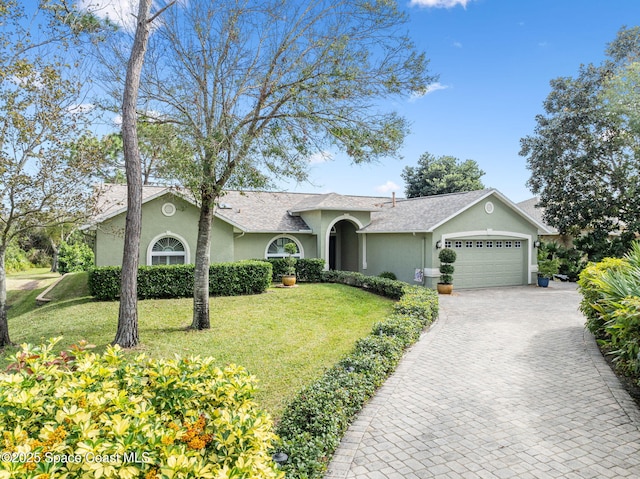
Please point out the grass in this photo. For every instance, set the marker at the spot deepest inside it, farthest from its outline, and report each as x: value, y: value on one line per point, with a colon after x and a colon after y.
x: 285, y: 337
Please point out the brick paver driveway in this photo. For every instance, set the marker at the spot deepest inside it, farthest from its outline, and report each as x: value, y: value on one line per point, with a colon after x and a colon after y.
x: 505, y: 385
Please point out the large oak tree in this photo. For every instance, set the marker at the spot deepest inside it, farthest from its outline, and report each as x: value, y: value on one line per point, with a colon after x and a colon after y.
x: 583, y: 159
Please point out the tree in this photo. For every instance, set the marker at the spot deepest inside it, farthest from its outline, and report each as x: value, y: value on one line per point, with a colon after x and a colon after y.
x: 127, y: 332
x: 256, y: 87
x: 40, y: 184
x: 583, y: 159
x: 437, y: 176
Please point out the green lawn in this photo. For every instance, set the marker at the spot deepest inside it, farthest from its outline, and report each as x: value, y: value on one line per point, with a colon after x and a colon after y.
x: 285, y: 337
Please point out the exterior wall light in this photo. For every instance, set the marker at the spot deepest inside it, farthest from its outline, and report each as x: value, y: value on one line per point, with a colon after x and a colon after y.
x: 536, y: 244
x: 438, y: 244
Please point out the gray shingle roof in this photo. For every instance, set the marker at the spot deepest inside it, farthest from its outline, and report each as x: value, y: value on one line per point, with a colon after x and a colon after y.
x: 529, y: 207
x: 422, y: 214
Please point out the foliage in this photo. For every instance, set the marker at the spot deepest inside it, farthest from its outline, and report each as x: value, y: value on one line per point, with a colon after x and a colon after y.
x: 599, y: 244
x: 611, y: 301
x: 382, y: 286
x: 548, y: 268
x: 16, y: 259
x: 74, y: 257
x: 306, y: 269
x: 315, y: 421
x: 388, y: 275
x: 112, y: 418
x: 40, y: 94
x: 437, y: 176
x: 176, y: 281
x: 446, y: 256
x: 290, y: 260
x: 583, y: 158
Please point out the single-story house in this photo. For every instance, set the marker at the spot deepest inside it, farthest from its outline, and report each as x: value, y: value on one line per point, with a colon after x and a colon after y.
x: 494, y: 239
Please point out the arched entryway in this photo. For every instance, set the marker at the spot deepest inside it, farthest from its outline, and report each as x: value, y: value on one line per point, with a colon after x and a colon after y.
x: 343, y: 245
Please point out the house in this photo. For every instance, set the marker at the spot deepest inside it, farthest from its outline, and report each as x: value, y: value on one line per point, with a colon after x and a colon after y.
x: 531, y: 207
x: 494, y: 239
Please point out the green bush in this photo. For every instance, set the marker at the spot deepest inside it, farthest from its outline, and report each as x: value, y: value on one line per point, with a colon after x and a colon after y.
x: 16, y: 259
x: 75, y: 257
x: 308, y: 270
x: 388, y: 275
x: 611, y: 297
x: 176, y: 281
x: 313, y: 423
x: 80, y: 415
x: 381, y: 286
x: 447, y: 256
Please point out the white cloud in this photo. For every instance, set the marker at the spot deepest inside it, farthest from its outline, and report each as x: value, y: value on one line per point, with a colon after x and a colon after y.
x: 81, y: 108
x: 387, y: 187
x: 440, y: 3
x: 457, y: 44
x: 321, y: 157
x: 430, y: 89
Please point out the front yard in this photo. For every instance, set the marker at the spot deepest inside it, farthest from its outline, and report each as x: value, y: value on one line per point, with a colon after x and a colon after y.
x: 285, y: 337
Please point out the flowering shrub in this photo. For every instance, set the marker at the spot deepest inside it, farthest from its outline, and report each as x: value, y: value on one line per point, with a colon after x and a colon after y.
x: 80, y: 415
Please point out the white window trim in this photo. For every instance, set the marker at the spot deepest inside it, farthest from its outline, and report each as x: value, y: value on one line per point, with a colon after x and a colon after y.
x: 169, y: 234
x: 292, y: 238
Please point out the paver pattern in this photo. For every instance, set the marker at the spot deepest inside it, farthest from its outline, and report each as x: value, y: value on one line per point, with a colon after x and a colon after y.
x: 506, y: 384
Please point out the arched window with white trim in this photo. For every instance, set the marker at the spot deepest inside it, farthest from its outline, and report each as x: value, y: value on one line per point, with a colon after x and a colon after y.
x: 168, y: 250
x: 276, y: 247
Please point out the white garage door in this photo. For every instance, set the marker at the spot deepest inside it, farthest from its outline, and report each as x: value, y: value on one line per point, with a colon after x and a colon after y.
x: 486, y: 263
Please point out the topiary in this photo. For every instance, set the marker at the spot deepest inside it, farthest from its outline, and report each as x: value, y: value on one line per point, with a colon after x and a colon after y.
x: 447, y: 257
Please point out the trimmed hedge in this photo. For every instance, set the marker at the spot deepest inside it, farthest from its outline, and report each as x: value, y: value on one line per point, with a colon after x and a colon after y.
x: 383, y: 286
x: 314, y: 422
x: 225, y: 279
x: 308, y: 270
x: 76, y: 414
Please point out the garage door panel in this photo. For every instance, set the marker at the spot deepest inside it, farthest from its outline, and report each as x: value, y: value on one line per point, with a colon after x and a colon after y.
x: 480, y: 266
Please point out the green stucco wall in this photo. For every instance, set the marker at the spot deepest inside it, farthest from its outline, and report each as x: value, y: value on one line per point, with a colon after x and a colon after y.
x: 399, y: 253
x: 183, y: 225
x: 253, y: 246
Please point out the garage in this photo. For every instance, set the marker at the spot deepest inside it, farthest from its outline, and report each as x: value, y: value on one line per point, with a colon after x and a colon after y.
x: 489, y: 262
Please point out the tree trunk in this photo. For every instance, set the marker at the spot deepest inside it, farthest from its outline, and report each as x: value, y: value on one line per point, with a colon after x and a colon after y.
x: 203, y: 261
x: 4, y: 323
x: 54, y: 256
x: 127, y: 333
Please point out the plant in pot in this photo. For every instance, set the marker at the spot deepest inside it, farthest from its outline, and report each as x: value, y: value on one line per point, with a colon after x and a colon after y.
x: 289, y: 276
x: 547, y: 268
x: 447, y: 257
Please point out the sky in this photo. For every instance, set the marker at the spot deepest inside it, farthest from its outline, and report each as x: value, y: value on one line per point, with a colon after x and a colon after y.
x: 494, y: 59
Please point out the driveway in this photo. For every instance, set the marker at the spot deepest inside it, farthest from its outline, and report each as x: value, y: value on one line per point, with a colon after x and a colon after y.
x: 506, y: 384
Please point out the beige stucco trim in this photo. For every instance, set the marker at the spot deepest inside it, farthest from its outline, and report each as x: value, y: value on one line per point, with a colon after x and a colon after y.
x: 509, y: 234
x: 187, y: 250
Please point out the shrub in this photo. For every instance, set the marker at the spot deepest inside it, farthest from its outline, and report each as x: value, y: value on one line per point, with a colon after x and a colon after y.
x: 82, y: 415
x: 74, y: 257
x: 308, y: 270
x: 446, y: 256
x: 16, y: 259
x: 382, y: 286
x: 313, y: 423
x: 176, y: 281
x: 388, y: 275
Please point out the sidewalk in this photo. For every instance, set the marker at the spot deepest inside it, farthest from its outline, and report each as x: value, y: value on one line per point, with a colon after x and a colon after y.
x: 506, y: 384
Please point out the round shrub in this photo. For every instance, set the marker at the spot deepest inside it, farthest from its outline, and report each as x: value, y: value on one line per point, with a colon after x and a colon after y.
x: 388, y: 275
x: 80, y: 415
x: 74, y: 257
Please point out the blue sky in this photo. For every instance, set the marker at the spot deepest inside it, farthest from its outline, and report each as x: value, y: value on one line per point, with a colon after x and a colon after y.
x: 495, y: 59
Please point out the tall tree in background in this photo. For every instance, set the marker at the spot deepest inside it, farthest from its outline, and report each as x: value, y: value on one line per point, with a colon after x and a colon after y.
x: 40, y: 183
x: 437, y: 176
x: 583, y: 157
x: 257, y: 87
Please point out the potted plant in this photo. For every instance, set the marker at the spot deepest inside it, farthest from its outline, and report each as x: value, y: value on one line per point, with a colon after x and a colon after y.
x: 547, y: 268
x: 447, y: 257
x: 289, y: 277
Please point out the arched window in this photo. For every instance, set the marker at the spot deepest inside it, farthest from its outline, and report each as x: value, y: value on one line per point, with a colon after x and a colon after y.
x: 276, y: 247
x: 168, y: 250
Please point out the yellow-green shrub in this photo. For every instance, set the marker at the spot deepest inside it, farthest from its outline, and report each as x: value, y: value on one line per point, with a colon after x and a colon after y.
x: 81, y: 415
